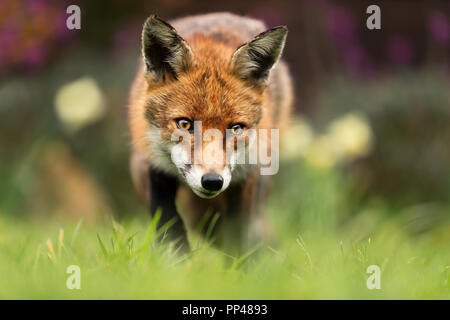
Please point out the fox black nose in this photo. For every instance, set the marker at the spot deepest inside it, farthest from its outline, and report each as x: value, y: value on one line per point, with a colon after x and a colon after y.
x: 212, y: 182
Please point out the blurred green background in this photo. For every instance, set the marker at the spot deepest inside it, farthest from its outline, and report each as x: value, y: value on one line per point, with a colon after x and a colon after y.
x: 370, y: 143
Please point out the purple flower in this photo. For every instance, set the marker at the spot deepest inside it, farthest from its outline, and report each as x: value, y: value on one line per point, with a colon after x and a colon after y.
x: 9, y: 35
x: 399, y: 50
x: 356, y: 60
x: 36, y: 56
x: 340, y: 24
x: 439, y: 27
x: 60, y: 30
x: 37, y: 6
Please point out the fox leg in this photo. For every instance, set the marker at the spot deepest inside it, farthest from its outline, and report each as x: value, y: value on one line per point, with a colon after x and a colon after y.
x: 163, y: 189
x: 245, y: 216
x: 259, y: 230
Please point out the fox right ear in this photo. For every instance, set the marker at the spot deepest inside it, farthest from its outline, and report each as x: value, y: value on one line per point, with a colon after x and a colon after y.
x: 254, y: 60
x: 165, y: 53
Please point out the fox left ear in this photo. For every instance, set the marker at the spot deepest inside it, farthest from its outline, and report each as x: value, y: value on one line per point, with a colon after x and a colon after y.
x: 165, y: 52
x: 255, y: 59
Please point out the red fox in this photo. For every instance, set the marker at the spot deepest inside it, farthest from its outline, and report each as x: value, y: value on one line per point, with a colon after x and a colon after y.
x: 218, y: 72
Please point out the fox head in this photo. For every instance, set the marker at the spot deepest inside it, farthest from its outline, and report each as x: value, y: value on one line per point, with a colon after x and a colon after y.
x: 202, y: 99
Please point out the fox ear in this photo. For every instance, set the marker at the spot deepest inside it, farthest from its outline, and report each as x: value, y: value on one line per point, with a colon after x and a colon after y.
x: 165, y: 52
x: 255, y: 59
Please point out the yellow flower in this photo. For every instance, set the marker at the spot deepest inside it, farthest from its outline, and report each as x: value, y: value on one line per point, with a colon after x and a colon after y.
x: 321, y: 153
x: 79, y: 103
x: 296, y: 139
x: 351, y: 136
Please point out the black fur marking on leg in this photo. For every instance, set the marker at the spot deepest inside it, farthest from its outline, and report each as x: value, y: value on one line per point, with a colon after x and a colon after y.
x: 163, y: 189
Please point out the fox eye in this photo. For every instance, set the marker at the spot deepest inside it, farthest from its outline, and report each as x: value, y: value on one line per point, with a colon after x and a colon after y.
x: 237, y: 129
x: 184, y: 124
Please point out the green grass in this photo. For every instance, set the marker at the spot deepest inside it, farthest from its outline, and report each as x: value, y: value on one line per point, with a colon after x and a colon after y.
x: 126, y: 264
x: 311, y: 259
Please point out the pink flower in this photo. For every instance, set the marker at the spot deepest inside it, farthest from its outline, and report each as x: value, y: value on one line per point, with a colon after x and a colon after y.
x: 439, y: 27
x: 340, y: 24
x: 399, y: 50
x: 36, y: 56
x: 356, y: 60
x: 37, y: 6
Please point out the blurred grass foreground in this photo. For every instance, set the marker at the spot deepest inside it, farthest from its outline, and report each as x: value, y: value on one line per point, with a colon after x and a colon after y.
x: 364, y: 176
x: 125, y: 263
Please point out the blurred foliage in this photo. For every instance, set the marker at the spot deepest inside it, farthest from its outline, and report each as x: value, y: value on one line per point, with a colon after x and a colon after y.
x: 31, y: 128
x: 409, y: 113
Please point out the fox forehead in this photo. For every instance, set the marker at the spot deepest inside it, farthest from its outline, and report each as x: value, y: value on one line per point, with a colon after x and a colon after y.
x: 207, y: 94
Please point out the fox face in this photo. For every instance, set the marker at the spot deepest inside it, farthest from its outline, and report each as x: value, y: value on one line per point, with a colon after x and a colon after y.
x: 202, y: 101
